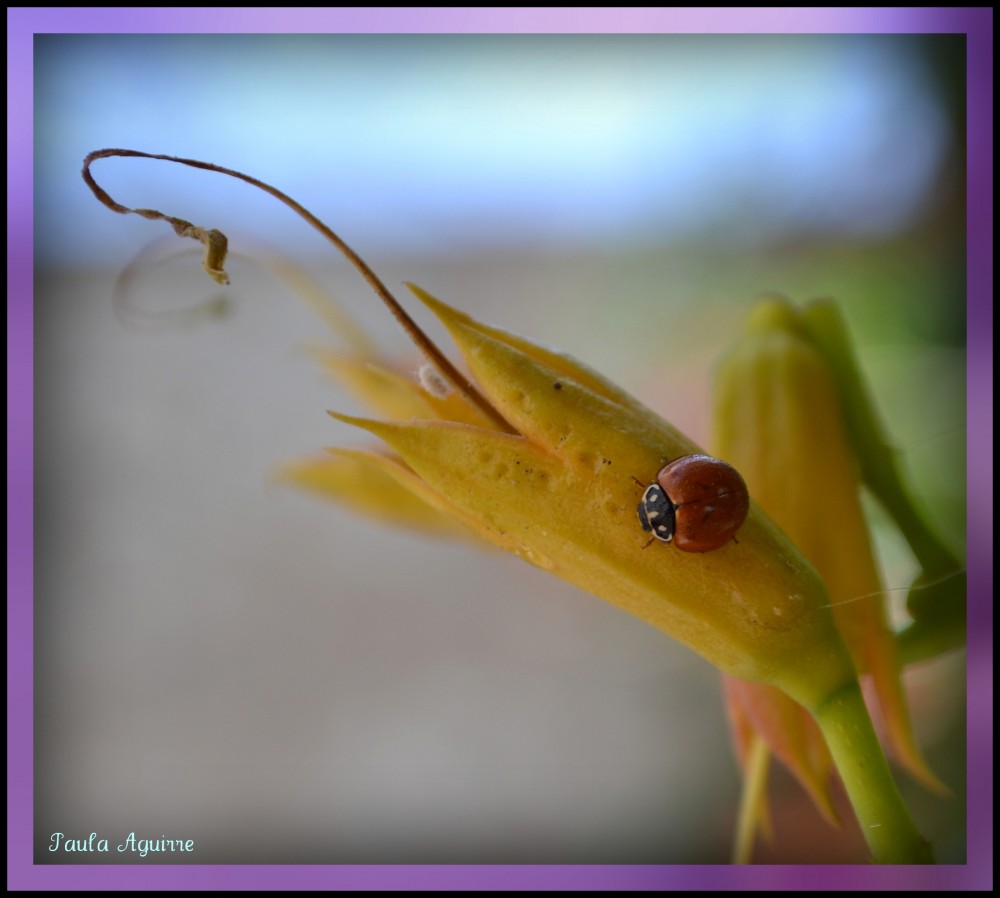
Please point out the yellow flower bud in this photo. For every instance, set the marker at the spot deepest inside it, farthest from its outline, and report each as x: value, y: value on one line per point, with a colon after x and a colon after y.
x: 779, y: 416
x: 560, y: 492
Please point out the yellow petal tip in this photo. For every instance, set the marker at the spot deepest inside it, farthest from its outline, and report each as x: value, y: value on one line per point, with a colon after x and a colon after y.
x: 448, y: 316
x: 374, y: 427
x: 348, y: 419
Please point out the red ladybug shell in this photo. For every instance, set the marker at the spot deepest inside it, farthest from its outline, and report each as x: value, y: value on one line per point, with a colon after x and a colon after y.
x: 710, y: 500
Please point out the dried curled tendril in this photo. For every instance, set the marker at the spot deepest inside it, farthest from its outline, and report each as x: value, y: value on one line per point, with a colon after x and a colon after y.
x: 216, y: 245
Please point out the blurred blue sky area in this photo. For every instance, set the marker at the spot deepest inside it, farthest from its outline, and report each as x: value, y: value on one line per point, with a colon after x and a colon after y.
x: 443, y: 142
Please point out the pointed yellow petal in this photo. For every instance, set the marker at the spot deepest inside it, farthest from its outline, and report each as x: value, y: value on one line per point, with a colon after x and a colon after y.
x: 375, y: 485
x: 385, y: 392
x: 559, y: 362
x: 390, y: 393
x: 754, y: 811
x: 559, y: 404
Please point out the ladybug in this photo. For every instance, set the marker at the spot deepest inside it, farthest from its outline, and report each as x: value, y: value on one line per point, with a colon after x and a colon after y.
x: 697, y: 503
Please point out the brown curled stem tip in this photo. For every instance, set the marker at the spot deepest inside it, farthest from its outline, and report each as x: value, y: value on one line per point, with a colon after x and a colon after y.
x: 214, y: 241
x: 215, y: 253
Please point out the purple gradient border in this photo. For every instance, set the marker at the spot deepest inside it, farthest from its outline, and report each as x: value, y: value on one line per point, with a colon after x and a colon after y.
x: 24, y: 23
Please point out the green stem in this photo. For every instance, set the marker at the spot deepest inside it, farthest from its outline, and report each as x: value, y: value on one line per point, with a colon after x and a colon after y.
x: 879, y: 460
x: 885, y: 821
x: 937, y: 600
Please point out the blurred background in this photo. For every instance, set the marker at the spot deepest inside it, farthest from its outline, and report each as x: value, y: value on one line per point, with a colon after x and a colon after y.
x: 220, y: 658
